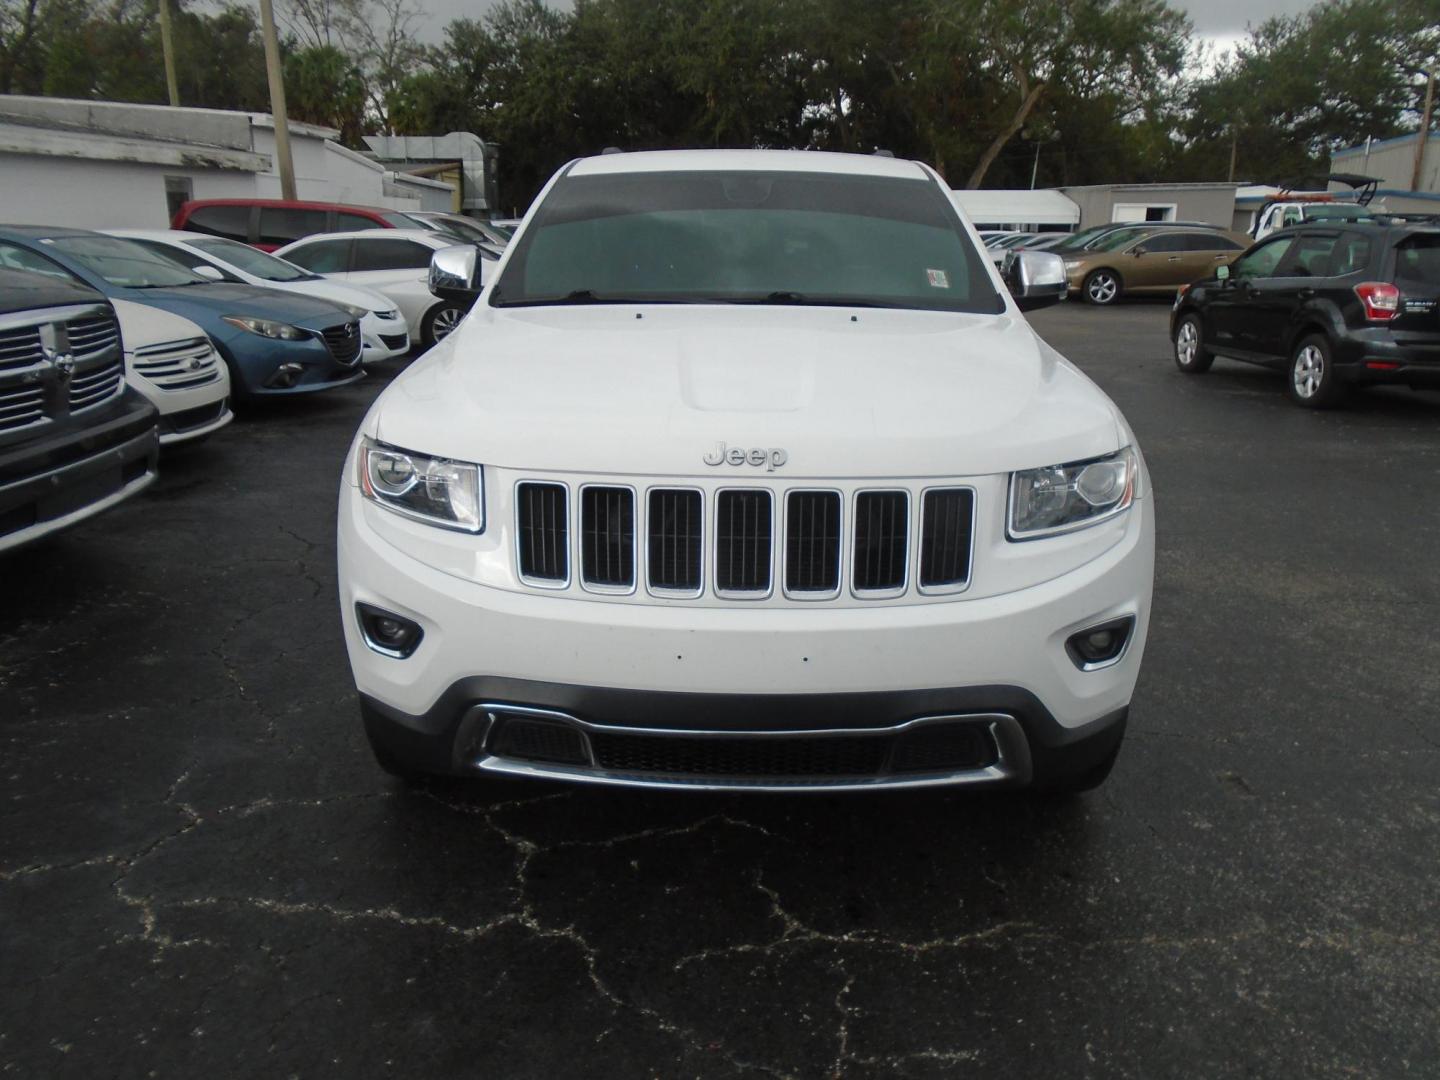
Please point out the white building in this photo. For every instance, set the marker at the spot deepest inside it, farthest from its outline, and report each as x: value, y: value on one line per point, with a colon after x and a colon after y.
x: 1042, y: 210
x: 104, y: 164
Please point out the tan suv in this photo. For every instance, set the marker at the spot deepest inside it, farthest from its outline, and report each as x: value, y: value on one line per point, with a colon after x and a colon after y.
x: 1149, y: 261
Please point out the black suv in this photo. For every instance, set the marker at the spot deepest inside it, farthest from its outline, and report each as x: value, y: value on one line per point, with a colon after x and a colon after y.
x: 74, y: 439
x: 1331, y: 304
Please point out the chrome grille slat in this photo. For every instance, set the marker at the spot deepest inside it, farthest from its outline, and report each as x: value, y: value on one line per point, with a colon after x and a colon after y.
x: 743, y: 538
x: 543, y: 533
x: 168, y: 365
x: 676, y: 540
x: 812, y: 541
x: 607, y: 537
x: 95, y: 385
x: 92, y: 337
x: 882, y: 536
x: 945, y: 528
x: 21, y: 407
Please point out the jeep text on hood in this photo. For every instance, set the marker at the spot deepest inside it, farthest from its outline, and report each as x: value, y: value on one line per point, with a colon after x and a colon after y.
x: 747, y: 471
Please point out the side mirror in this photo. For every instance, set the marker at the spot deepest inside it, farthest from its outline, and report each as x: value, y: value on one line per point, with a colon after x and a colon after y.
x: 454, y: 274
x: 1036, y: 279
x: 1222, y: 273
x: 209, y: 272
x: 1138, y: 250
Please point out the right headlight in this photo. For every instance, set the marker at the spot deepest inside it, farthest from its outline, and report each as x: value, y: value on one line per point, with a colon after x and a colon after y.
x: 447, y: 493
x: 1062, y: 498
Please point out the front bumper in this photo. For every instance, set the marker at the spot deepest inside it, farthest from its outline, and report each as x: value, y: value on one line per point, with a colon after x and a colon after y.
x: 255, y: 366
x: 731, y: 671
x: 60, y: 478
x: 383, y: 339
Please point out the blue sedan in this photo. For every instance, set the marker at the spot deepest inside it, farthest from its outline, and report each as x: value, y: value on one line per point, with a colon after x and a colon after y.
x: 273, y: 342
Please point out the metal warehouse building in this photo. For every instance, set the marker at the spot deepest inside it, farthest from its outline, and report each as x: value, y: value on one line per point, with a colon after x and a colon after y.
x: 103, y: 164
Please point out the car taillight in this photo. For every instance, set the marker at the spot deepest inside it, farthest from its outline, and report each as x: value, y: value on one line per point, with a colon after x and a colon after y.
x: 1381, y: 300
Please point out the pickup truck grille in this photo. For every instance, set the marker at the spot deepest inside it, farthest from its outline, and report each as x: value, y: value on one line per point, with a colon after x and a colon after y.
x: 57, y: 359
x: 682, y: 542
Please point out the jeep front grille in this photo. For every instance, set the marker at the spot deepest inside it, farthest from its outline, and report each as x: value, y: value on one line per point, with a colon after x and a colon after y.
x: 676, y: 539
x: 684, y: 543
x: 882, y: 541
x: 607, y: 538
x: 543, y: 533
x: 742, y: 542
x: 945, y: 526
x: 812, y: 542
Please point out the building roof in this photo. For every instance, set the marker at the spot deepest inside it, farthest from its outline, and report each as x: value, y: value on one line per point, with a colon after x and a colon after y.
x: 1376, y: 144
x: 1021, y: 206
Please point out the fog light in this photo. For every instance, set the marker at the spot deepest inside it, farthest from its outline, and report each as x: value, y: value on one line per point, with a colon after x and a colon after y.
x: 285, y: 376
x: 387, y: 633
x: 1101, y: 645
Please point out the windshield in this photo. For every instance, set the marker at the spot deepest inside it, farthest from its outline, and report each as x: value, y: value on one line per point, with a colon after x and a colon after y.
x: 1076, y: 241
x: 461, y: 229
x: 1336, y: 210
x: 747, y: 237
x: 251, y: 260
x: 124, y: 263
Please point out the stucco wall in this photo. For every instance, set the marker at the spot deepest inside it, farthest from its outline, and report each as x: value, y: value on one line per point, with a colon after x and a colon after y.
x: 100, y: 194
x: 1098, y: 204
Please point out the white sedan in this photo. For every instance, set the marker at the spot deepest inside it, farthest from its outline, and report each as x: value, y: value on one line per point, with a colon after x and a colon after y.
x: 173, y: 363
x: 395, y: 262
x: 383, y: 329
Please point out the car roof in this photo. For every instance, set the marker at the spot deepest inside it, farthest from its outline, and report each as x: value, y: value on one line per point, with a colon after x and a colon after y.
x: 44, y: 232
x: 819, y: 161
x: 289, y: 204
x: 179, y: 236
x: 425, y: 236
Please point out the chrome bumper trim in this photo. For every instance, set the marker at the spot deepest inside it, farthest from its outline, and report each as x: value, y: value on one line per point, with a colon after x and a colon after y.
x: 1012, y: 764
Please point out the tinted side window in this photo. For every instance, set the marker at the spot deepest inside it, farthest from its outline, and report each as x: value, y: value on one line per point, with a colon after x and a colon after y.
x: 1263, y: 260
x: 1418, y: 259
x: 281, y: 225
x: 232, y: 222
x: 1309, y: 256
x: 322, y: 257
x: 1203, y: 241
x: 347, y: 222
x: 380, y: 254
x: 1164, y: 242
x: 1351, y: 255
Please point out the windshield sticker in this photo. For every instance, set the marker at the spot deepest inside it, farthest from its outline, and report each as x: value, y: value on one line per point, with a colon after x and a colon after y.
x: 938, y: 279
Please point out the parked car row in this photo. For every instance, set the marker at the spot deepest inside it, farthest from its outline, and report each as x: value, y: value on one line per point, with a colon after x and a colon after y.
x: 115, y: 343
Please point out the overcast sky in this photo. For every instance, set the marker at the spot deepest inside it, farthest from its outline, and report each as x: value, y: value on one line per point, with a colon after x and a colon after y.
x: 1219, y: 21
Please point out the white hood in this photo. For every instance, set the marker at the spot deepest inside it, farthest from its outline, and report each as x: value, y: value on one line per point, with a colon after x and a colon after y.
x: 845, y: 393
x: 338, y: 293
x: 142, y: 325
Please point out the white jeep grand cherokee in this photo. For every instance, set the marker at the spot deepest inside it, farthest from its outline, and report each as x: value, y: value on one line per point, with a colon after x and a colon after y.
x: 745, y: 471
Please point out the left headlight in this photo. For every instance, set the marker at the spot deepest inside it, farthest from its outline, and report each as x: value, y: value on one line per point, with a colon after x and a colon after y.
x: 266, y: 327
x: 356, y: 312
x: 447, y: 493
x: 1061, y: 498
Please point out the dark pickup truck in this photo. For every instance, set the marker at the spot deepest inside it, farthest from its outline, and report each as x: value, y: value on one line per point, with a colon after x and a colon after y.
x: 74, y: 439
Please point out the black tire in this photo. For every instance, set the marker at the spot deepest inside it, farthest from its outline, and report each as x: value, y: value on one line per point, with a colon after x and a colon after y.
x: 1101, y: 287
x: 1310, y: 379
x: 1191, y: 356
x: 439, y: 322
x: 1089, y: 780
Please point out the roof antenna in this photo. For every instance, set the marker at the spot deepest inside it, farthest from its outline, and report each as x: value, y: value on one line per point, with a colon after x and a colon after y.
x: 612, y: 150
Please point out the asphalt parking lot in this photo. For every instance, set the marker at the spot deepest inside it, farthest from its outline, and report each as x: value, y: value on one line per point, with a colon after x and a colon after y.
x: 202, y: 872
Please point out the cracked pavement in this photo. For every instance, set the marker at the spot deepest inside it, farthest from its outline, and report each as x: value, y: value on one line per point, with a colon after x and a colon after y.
x: 202, y: 873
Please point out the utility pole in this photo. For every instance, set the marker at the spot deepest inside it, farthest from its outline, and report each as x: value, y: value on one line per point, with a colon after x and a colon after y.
x: 1424, y: 131
x: 1234, y: 150
x: 283, y: 160
x: 168, y: 48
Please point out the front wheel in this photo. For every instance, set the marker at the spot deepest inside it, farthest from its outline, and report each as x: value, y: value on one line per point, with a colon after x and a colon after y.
x: 1312, y: 383
x: 440, y: 322
x: 1191, y: 356
x: 1102, y: 287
